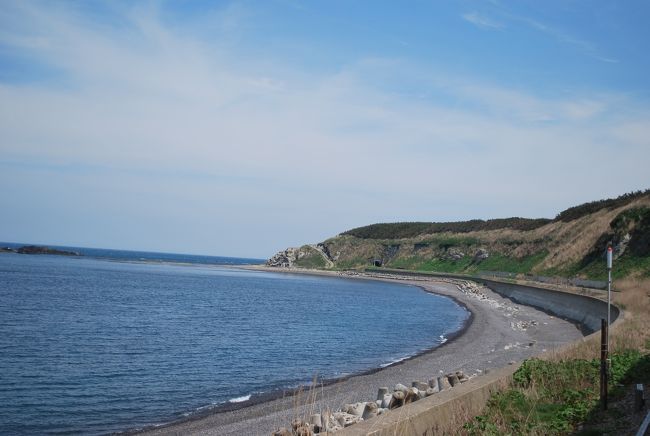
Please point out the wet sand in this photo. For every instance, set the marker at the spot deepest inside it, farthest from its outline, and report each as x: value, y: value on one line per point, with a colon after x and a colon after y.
x: 498, y: 333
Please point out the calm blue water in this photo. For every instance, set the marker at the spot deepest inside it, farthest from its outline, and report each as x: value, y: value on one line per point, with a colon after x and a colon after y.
x: 91, y: 346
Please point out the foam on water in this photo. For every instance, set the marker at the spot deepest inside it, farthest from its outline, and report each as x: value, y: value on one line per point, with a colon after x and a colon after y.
x: 240, y: 399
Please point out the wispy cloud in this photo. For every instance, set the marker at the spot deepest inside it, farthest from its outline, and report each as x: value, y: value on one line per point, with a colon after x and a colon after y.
x: 585, y: 47
x: 307, y: 154
x: 482, y: 21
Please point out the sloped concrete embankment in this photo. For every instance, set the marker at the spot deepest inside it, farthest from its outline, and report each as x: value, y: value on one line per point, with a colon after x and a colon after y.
x: 446, y: 411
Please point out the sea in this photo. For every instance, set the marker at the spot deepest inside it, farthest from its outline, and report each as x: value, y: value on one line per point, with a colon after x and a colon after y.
x: 117, y: 340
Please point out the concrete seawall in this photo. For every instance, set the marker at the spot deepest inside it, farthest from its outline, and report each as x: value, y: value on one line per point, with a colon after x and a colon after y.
x: 445, y: 412
x: 586, y: 311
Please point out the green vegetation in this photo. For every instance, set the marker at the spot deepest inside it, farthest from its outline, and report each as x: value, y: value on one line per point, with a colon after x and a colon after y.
x: 412, y: 263
x: 445, y: 242
x: 579, y: 211
x: 551, y: 398
x: 467, y: 264
x: 522, y: 265
x: 559, y: 248
x: 447, y: 265
x: 313, y: 260
x: 630, y: 216
x: 595, y: 270
x: 629, y: 231
x: 352, y: 263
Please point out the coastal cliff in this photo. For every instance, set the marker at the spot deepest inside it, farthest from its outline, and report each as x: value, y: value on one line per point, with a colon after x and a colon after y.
x: 570, y: 245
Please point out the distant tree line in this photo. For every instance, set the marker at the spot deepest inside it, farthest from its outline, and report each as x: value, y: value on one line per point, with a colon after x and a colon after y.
x: 412, y: 229
x: 576, y: 212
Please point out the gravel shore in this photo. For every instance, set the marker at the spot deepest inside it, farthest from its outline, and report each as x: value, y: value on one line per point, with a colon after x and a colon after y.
x: 500, y: 332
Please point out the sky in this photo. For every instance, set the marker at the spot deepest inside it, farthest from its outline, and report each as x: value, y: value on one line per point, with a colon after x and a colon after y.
x: 239, y: 128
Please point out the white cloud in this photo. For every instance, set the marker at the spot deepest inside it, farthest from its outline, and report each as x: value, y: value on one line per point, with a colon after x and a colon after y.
x: 187, y: 133
x: 482, y: 21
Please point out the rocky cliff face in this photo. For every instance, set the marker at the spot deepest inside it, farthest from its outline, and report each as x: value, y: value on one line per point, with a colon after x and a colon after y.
x: 573, y: 244
x: 284, y: 258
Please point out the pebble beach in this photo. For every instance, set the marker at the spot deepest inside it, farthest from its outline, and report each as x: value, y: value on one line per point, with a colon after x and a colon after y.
x: 498, y: 333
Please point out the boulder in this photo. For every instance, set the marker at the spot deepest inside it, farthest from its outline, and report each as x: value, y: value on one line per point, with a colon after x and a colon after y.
x: 304, y: 430
x: 370, y: 411
x: 454, y: 254
x: 397, y: 400
x: 297, y: 423
x: 443, y: 383
x: 461, y: 376
x: 346, y: 419
x: 400, y: 387
x: 411, y: 396
x: 481, y: 254
x: 453, y: 379
x: 420, y: 386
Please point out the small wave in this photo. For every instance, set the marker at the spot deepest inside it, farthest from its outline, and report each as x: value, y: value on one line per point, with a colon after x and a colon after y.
x: 443, y: 339
x: 392, y: 362
x: 240, y: 399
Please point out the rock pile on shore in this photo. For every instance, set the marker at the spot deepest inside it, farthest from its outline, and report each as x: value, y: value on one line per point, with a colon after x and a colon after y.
x: 349, y: 414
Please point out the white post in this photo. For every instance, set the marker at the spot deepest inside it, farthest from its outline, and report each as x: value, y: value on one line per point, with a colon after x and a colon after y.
x: 609, y: 288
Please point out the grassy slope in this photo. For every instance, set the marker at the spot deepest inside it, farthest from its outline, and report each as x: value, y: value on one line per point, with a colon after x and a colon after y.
x: 570, y: 248
x: 559, y: 394
x: 310, y: 258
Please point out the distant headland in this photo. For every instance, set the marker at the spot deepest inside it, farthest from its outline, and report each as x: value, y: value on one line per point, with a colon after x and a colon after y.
x: 38, y: 249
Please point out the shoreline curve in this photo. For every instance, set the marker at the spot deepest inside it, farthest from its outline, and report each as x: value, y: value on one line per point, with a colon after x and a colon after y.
x: 486, y: 340
x: 255, y: 399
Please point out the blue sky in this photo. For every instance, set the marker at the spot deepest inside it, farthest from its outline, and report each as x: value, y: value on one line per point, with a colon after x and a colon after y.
x: 240, y: 128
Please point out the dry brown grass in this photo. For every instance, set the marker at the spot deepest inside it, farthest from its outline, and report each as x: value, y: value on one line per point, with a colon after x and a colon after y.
x: 574, y: 239
x: 631, y: 332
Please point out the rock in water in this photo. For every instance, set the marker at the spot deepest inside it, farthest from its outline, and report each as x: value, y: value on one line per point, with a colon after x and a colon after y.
x: 37, y: 249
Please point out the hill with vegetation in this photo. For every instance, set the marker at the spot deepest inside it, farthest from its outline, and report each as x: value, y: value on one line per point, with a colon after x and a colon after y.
x: 570, y: 245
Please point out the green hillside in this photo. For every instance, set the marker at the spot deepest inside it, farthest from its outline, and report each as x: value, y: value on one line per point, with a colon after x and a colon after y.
x: 570, y: 245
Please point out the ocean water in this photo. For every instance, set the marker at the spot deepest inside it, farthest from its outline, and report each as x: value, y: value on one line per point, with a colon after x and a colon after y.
x: 105, y: 343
